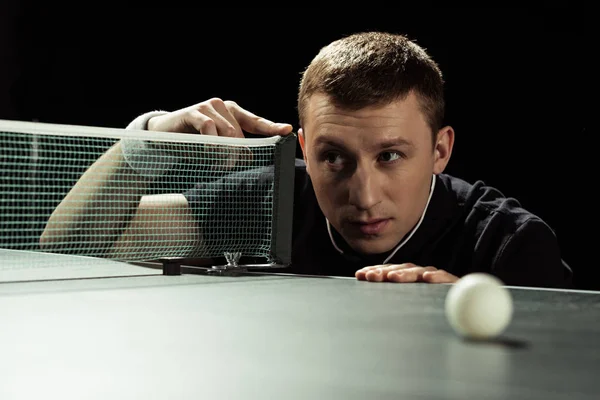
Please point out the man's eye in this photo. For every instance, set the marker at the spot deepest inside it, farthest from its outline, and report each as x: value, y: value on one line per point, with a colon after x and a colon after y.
x: 390, y: 156
x: 333, y: 158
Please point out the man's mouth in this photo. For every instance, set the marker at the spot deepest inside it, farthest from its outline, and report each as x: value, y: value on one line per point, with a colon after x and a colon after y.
x: 371, y: 226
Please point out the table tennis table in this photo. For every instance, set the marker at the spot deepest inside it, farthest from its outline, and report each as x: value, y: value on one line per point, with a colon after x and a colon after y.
x: 82, y: 328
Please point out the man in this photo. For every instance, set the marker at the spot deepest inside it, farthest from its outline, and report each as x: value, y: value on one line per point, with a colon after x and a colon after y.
x: 371, y: 197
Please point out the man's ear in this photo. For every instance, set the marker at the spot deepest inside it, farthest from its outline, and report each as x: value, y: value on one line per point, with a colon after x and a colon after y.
x: 443, y: 149
x: 302, y: 143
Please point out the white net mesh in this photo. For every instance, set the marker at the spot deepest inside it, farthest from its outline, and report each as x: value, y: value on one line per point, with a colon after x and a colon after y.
x: 68, y: 189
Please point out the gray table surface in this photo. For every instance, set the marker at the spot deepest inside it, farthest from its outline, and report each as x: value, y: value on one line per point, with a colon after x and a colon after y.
x: 284, y: 337
x: 22, y: 266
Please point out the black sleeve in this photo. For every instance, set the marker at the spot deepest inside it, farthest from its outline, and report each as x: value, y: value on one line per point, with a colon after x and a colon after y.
x: 234, y: 213
x: 531, y: 257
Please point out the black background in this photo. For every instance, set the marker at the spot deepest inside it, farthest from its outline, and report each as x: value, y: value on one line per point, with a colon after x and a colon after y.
x: 518, y: 83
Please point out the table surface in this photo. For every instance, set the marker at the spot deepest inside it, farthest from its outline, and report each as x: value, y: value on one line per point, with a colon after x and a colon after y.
x: 137, y: 334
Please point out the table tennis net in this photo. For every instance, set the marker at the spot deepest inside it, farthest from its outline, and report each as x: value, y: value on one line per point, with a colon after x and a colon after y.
x: 69, y: 189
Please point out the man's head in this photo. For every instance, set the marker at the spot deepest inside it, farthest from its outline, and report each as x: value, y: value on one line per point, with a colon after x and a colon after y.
x: 371, y: 110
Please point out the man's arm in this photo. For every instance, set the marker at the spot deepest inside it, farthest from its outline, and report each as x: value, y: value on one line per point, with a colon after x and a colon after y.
x: 107, y: 211
x: 163, y: 224
x: 532, y: 257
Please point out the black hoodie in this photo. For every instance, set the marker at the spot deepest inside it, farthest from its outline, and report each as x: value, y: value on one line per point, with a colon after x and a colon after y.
x: 466, y: 228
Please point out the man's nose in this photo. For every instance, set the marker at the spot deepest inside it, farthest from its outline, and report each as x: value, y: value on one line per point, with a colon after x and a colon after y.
x: 363, y: 188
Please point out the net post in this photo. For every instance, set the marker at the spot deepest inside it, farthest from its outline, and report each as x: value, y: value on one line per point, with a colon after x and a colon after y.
x: 283, y: 204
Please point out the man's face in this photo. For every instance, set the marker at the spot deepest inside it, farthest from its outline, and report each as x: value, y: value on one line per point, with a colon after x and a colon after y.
x: 371, y: 169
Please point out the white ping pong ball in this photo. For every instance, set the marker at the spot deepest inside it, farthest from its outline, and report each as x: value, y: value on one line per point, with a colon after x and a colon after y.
x: 478, y: 306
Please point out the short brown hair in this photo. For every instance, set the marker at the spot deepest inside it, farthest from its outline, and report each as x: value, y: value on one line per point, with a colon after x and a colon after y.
x: 373, y: 68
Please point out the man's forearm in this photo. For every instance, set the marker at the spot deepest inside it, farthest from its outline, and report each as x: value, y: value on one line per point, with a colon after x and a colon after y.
x: 97, y: 209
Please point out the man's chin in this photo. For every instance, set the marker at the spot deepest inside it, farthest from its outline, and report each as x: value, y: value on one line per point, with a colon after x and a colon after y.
x: 371, y: 245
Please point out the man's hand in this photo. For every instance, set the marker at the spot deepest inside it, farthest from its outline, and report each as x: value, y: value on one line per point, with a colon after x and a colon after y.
x: 404, y: 273
x: 219, y: 118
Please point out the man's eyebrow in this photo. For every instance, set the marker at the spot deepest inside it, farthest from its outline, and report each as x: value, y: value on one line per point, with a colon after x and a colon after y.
x: 323, y: 140
x: 384, y: 144
x: 400, y: 142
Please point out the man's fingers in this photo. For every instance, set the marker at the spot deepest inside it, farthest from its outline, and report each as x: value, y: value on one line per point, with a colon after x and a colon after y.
x: 232, y: 128
x: 393, y: 272
x: 408, y: 275
x: 252, y: 123
x: 439, y: 276
x: 201, y: 123
x: 218, y: 118
x: 213, y: 118
x: 374, y: 275
x: 361, y: 274
x: 404, y: 273
x: 384, y: 268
